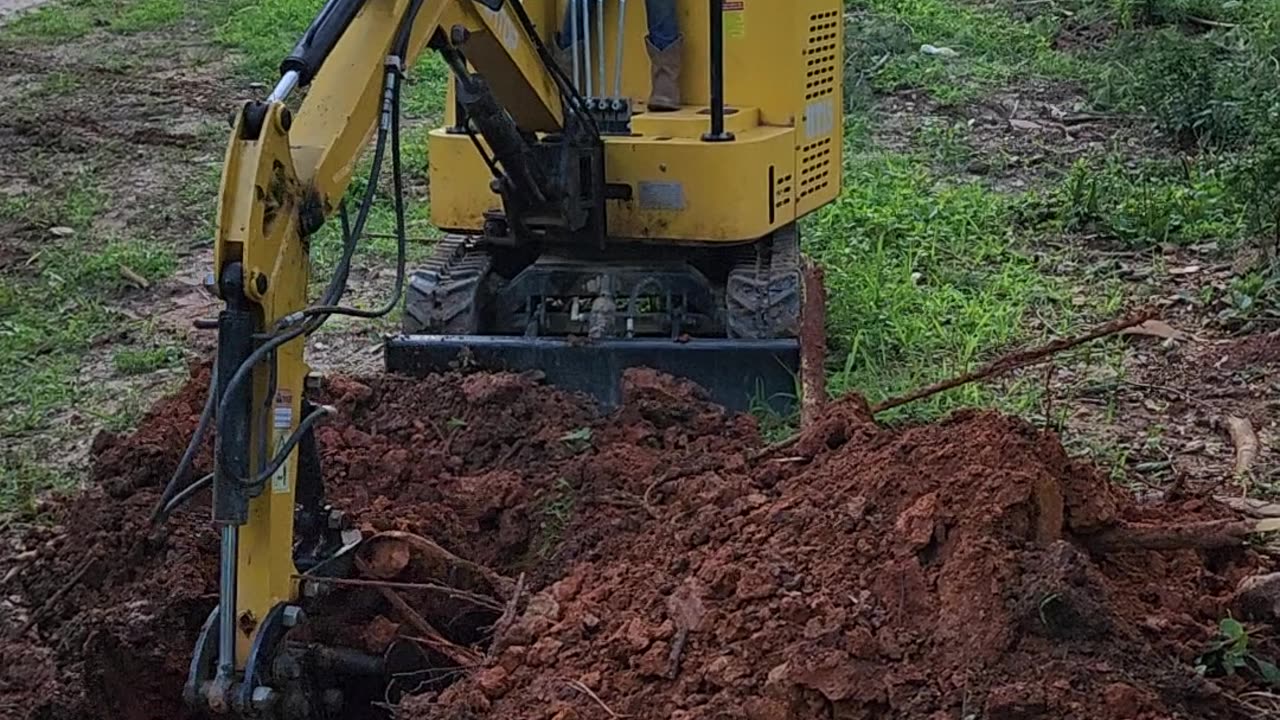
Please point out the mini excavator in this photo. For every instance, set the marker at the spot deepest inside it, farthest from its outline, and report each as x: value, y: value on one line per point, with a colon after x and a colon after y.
x: 582, y: 234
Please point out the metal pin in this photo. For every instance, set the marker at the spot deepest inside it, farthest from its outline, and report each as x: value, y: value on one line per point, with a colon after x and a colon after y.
x: 622, y: 41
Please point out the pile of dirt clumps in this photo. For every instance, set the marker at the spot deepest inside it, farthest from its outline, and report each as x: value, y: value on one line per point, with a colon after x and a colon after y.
x: 937, y: 571
x: 929, y: 572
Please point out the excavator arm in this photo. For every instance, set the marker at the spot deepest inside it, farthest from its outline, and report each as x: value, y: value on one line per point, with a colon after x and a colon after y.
x: 285, y: 175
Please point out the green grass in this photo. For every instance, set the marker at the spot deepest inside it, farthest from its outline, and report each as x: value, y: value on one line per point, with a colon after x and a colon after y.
x: 140, y: 361
x: 72, y: 19
x: 924, y: 277
x: 50, y: 322
x: 991, y: 47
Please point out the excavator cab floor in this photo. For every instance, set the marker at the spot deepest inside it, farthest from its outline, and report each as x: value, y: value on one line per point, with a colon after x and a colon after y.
x: 740, y: 375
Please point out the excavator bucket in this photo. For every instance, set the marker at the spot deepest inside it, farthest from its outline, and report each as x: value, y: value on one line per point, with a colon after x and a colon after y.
x: 738, y: 374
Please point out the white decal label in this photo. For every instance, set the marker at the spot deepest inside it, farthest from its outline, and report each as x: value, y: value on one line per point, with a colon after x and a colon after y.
x: 281, y: 425
x: 820, y: 118
x: 661, y: 196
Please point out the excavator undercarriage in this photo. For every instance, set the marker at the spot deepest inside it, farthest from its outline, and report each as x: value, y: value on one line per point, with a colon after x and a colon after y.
x: 581, y: 318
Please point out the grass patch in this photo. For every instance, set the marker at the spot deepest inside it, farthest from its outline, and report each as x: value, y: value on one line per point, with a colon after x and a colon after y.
x: 76, y: 18
x: 556, y: 514
x: 924, y: 278
x: 50, y: 322
x: 24, y: 479
x: 1151, y: 203
x: 140, y: 361
x: 987, y: 47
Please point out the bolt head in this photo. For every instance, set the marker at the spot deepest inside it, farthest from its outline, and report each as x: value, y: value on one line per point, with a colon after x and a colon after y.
x: 293, y: 616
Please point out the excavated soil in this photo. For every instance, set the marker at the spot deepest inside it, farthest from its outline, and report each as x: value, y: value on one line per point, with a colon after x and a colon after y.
x: 938, y: 571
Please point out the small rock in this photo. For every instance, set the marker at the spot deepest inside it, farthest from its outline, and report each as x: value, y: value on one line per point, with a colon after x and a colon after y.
x: 544, y: 652
x: 494, y: 682
x: 636, y: 635
x: 655, y: 662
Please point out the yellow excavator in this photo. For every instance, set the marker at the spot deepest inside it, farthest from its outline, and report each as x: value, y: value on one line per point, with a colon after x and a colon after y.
x: 584, y: 232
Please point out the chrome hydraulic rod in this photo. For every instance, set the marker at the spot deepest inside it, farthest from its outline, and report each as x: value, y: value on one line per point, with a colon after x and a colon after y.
x: 617, y: 62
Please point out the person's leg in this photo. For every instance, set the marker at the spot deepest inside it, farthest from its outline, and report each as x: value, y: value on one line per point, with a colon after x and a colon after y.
x: 663, y: 29
x: 566, y: 38
x: 665, y: 47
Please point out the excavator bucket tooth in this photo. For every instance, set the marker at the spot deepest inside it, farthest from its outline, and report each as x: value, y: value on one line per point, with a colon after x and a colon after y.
x: 738, y: 374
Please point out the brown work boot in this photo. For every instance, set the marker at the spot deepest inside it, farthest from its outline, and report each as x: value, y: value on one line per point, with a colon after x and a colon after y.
x: 665, y: 65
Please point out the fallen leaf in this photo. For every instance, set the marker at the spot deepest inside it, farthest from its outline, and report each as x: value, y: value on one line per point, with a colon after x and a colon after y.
x: 1246, y: 442
x: 1187, y: 270
x: 132, y: 276
x: 1156, y: 328
x: 1025, y: 124
x: 62, y: 231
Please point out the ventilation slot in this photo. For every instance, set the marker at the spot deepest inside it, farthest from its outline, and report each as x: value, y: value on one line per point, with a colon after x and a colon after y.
x: 782, y: 190
x: 820, y: 55
x: 815, y: 167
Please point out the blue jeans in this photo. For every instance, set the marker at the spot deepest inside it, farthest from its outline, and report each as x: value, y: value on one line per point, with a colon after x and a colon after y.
x: 663, y: 29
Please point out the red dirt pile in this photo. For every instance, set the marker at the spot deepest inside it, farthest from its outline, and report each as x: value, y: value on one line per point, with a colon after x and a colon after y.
x: 939, y: 571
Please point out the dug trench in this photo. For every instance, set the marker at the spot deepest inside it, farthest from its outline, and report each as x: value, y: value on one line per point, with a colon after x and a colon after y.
x: 652, y: 563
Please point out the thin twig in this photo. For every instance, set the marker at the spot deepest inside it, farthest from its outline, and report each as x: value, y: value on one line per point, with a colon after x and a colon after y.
x: 474, y: 598
x: 507, y: 619
x: 580, y: 687
x: 53, y: 599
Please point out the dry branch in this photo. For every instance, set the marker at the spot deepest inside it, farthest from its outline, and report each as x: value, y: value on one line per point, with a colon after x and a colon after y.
x: 999, y: 366
x: 465, y: 657
x: 473, y: 598
x: 1187, y: 536
x: 1017, y: 360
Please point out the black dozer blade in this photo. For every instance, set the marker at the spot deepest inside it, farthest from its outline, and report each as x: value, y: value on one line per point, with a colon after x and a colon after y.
x: 740, y: 375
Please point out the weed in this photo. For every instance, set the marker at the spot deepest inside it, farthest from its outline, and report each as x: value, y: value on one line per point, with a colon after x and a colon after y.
x: 1230, y: 654
x: 557, y: 512
x: 578, y: 441
x: 139, y: 361
x: 24, y: 478
x: 76, y: 18
x: 1151, y: 204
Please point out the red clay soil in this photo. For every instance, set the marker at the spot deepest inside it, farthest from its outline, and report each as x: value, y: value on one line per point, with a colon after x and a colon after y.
x: 938, y: 571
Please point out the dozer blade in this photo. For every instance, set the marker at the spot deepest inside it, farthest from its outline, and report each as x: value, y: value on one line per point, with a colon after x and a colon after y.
x: 739, y: 374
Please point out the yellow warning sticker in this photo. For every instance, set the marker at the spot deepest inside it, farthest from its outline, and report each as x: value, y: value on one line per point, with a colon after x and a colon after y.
x: 735, y: 18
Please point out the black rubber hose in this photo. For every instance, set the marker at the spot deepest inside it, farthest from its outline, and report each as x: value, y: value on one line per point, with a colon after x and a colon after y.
x: 283, y: 453
x: 193, y: 447
x: 182, y: 498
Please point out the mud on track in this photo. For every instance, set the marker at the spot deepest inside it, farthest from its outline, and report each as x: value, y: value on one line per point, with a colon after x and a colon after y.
x: 938, y: 571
